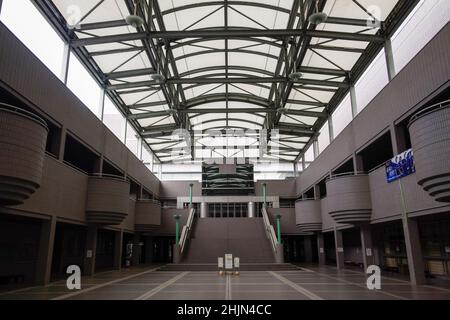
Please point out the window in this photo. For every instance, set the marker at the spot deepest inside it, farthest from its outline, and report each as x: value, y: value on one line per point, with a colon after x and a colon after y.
x: 373, y: 80
x: 324, y: 137
x: 113, y: 119
x: 342, y: 116
x: 427, y: 19
x: 132, y: 140
x: 25, y: 21
x: 80, y: 82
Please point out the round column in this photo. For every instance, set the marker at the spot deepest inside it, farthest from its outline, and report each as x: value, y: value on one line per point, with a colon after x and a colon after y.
x: 204, y: 210
x: 251, y: 209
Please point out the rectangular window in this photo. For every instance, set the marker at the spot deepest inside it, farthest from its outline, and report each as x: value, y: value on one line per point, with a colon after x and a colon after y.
x: 24, y: 20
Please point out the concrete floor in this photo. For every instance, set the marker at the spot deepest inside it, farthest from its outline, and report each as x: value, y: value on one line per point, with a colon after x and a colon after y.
x: 314, y: 283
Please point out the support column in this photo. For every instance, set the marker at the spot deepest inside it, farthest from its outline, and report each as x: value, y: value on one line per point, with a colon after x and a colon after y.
x: 307, y: 245
x: 321, y: 249
x: 251, y: 209
x: 91, y: 251
x: 45, y: 253
x: 353, y: 102
x: 62, y: 144
x: 264, y: 186
x: 366, y: 246
x: 65, y: 63
x: 330, y: 128
x: 413, y: 251
x: 358, y: 164
x: 389, y: 59
x: 118, y: 243
x: 339, y: 248
x: 191, y: 185
x: 316, y: 148
x: 204, y: 210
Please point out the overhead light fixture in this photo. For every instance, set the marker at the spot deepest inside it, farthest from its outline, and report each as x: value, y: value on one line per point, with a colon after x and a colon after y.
x: 157, y: 77
x: 295, y: 75
x: 317, y: 17
x: 135, y: 20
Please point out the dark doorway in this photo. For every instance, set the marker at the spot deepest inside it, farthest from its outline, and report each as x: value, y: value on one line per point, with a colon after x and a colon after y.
x: 69, y: 248
x: 162, y: 249
x: 105, y: 250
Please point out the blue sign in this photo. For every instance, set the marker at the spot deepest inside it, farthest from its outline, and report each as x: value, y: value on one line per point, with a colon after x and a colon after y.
x: 400, y: 166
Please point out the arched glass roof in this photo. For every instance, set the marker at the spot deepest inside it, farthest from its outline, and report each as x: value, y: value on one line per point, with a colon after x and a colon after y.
x: 226, y: 65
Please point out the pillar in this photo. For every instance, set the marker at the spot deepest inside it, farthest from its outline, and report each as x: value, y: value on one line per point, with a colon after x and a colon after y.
x: 251, y: 209
x: 279, y: 228
x: 204, y: 210
x: 118, y: 243
x: 339, y: 248
x: 321, y: 249
x: 190, y: 195
x: 389, y: 59
x: 62, y: 144
x: 353, y: 102
x: 358, y: 164
x: 91, y: 250
x: 367, y: 246
x: 264, y: 186
x: 413, y: 251
x: 307, y: 245
x: 45, y: 253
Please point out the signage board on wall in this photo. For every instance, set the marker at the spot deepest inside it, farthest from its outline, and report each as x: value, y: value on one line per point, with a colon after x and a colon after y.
x: 400, y: 166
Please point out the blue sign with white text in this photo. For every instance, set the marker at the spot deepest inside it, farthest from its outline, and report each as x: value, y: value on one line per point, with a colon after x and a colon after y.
x: 400, y: 166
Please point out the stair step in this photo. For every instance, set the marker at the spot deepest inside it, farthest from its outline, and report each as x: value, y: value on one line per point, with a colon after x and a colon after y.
x: 243, y: 267
x: 243, y: 237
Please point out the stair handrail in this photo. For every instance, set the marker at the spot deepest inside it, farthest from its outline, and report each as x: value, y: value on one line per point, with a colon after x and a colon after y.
x: 270, y: 231
x: 186, y: 228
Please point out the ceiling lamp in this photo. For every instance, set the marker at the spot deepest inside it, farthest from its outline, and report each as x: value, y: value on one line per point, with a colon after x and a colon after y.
x: 135, y: 20
x: 295, y: 75
x: 157, y: 77
x: 317, y: 17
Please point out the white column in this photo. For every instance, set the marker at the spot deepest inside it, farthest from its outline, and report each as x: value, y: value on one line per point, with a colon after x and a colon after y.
x: 389, y: 59
x: 204, y: 210
x: 330, y: 128
x: 65, y: 62
x: 251, y: 209
x: 353, y: 102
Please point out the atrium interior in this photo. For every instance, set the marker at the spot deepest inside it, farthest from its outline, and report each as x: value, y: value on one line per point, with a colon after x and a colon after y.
x: 224, y: 150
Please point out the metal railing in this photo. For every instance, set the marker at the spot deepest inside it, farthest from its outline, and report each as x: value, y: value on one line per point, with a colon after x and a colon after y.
x: 429, y: 109
x: 270, y: 231
x: 186, y: 229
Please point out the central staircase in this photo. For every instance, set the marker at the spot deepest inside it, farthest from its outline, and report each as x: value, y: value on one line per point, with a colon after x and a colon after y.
x: 211, y: 238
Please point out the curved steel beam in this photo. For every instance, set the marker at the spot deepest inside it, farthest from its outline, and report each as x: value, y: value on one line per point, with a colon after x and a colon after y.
x: 230, y: 67
x: 220, y: 3
x: 230, y: 119
x: 250, y: 39
x: 194, y: 54
x: 219, y: 97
